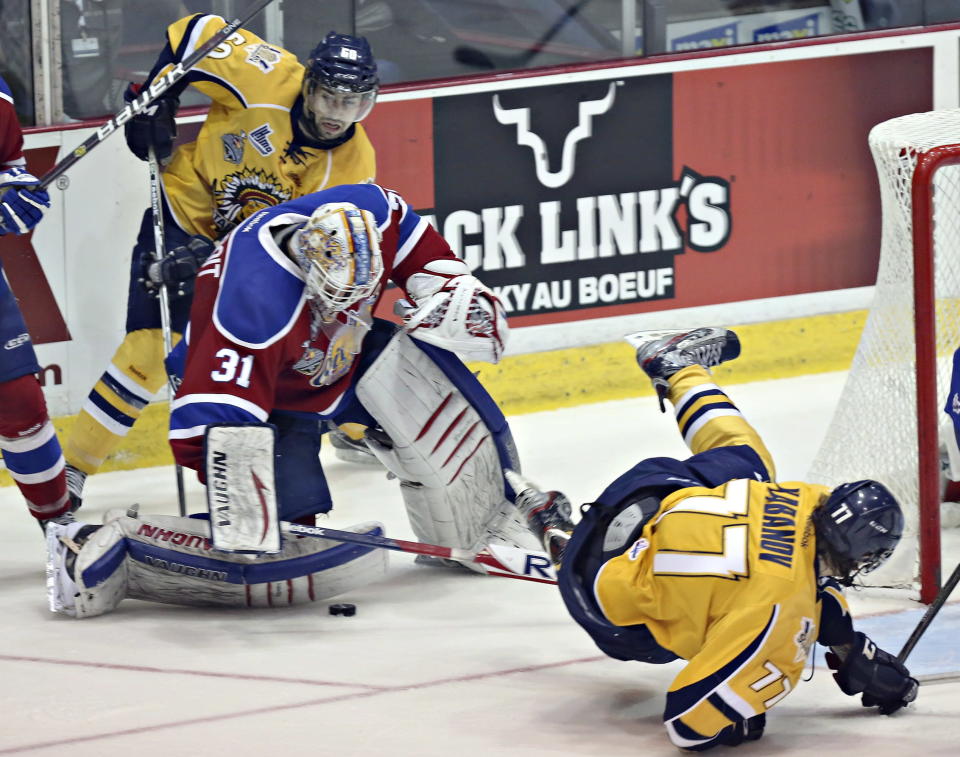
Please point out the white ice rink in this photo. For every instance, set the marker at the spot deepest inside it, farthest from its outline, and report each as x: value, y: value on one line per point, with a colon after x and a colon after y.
x: 436, y: 662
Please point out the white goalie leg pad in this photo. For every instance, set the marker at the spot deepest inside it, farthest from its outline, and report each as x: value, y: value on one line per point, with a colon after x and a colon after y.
x: 88, y: 579
x: 241, y: 488
x: 453, y: 485
x: 172, y: 560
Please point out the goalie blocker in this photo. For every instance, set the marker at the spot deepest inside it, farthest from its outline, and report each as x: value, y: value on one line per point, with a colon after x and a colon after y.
x: 241, y: 494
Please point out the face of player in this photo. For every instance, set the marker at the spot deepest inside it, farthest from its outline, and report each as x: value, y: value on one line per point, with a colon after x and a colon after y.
x: 844, y: 570
x: 329, y: 113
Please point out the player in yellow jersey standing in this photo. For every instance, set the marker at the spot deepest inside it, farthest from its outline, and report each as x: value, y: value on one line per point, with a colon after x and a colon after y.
x: 713, y: 561
x: 276, y: 130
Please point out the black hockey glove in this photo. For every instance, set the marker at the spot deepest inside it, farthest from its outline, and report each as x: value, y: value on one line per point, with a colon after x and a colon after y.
x: 750, y: 729
x: 155, y: 127
x: 178, y: 268
x: 883, y: 679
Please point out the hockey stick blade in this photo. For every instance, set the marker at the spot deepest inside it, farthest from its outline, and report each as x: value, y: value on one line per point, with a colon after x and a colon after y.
x: 150, y: 94
x: 498, y: 559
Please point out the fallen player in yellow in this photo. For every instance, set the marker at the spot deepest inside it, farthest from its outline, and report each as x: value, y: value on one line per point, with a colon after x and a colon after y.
x: 713, y: 561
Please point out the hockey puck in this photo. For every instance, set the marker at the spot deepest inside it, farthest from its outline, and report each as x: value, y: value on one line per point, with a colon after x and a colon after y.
x: 343, y: 609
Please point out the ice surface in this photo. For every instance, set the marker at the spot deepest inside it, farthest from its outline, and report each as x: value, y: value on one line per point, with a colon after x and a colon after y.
x: 436, y: 661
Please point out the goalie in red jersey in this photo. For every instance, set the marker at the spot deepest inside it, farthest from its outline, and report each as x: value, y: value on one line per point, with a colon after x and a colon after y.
x: 282, y: 342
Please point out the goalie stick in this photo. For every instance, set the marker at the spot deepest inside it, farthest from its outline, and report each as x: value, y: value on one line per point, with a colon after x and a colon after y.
x: 942, y: 596
x: 498, y: 559
x: 243, y: 510
x: 148, y: 95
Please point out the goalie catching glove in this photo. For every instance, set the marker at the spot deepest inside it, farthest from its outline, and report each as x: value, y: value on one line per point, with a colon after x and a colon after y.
x: 864, y: 667
x: 454, y: 310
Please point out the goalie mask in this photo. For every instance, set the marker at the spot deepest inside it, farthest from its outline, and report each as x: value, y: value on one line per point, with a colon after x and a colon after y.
x: 339, y: 86
x: 338, y: 250
x: 857, y: 529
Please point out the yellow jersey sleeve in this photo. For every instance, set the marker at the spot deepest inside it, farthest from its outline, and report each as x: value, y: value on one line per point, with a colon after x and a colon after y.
x: 237, y: 72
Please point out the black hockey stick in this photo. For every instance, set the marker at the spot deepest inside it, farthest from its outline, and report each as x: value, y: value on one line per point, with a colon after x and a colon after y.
x: 472, y: 56
x: 945, y: 591
x: 163, y: 299
x: 148, y: 95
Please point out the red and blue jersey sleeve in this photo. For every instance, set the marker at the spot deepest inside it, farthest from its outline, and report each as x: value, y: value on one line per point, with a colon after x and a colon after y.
x: 11, y: 135
x: 416, y: 241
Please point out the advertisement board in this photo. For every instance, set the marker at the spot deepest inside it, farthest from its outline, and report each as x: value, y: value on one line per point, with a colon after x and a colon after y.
x: 770, y: 26
x: 588, y: 199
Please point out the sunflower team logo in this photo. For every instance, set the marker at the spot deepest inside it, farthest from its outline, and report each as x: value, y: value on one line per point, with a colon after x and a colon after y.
x: 240, y: 195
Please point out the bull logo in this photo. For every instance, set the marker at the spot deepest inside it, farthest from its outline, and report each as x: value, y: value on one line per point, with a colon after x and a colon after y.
x: 520, y: 118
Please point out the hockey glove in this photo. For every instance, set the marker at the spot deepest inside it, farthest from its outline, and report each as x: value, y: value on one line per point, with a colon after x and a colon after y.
x: 883, y: 679
x: 156, y: 127
x: 22, y: 202
x: 178, y: 268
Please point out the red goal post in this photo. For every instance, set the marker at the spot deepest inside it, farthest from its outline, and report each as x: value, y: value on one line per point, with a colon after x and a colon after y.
x: 887, y: 421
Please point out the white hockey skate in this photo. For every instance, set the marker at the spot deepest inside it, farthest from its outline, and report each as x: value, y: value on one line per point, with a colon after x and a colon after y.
x: 662, y: 353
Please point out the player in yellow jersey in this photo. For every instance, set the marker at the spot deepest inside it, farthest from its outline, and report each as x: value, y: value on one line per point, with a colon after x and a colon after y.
x: 713, y: 561
x: 276, y: 130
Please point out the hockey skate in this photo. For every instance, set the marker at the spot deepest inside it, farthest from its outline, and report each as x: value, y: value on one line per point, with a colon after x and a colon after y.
x: 547, y: 515
x: 76, y: 478
x: 65, y: 518
x: 662, y: 353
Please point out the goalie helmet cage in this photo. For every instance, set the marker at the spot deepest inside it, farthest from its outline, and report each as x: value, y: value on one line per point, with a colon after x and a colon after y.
x: 886, y: 423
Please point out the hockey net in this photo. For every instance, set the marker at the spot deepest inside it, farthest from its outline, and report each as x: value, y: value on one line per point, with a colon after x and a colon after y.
x: 886, y: 423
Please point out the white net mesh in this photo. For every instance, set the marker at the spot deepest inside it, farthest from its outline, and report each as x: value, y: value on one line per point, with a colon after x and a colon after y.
x: 873, y: 433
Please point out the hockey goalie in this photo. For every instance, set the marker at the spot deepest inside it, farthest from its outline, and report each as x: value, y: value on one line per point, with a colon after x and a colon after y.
x: 282, y: 343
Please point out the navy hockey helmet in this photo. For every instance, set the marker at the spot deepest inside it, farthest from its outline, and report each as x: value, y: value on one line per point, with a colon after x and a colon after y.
x: 857, y: 528
x: 340, y: 85
x: 344, y: 63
